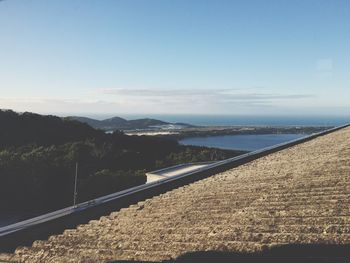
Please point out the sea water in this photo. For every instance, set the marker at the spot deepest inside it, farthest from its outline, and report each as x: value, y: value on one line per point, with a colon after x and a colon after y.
x: 227, y: 120
x: 240, y: 142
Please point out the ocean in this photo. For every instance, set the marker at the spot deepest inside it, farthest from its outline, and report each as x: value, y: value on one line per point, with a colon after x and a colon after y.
x: 226, y: 120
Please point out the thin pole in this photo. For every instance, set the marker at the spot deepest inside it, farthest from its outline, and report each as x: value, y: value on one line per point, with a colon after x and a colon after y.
x: 75, y: 184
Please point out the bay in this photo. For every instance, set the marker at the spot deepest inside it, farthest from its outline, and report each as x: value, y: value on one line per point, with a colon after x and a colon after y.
x: 240, y: 142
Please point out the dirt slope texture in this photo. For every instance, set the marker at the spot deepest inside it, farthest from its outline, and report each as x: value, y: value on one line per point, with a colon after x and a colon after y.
x: 296, y: 196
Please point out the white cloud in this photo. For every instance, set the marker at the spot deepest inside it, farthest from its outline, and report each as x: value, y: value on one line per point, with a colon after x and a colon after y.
x: 175, y: 101
x: 201, y: 100
x: 158, y: 101
x: 216, y: 95
x: 56, y: 105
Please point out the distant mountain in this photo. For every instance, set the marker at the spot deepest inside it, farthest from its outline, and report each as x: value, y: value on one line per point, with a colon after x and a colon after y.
x: 107, y: 124
x: 117, y: 123
x: 145, y: 123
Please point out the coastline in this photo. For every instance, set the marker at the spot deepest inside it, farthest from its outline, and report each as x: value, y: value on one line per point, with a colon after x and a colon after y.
x: 208, y: 131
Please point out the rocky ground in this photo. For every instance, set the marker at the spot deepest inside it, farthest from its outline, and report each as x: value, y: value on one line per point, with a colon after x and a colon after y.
x: 300, y: 195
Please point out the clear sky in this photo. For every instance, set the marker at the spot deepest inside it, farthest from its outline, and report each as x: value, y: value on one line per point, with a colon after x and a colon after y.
x: 176, y: 56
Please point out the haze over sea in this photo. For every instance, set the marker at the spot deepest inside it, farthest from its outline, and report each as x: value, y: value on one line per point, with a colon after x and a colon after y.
x: 213, y: 120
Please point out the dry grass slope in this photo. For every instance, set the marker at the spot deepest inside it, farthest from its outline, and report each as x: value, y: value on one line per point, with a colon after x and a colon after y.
x: 296, y: 196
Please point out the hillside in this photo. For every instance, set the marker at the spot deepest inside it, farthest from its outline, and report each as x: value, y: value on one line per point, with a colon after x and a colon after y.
x: 117, y: 123
x: 38, y: 156
x: 20, y: 129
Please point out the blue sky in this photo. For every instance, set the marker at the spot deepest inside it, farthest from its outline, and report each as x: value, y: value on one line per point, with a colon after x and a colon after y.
x: 175, y: 57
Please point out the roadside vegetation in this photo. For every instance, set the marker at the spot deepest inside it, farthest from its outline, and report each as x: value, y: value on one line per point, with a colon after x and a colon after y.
x: 38, y: 155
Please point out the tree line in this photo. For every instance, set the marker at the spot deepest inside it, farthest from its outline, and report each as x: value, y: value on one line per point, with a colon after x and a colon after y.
x: 38, y: 156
